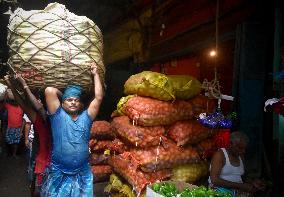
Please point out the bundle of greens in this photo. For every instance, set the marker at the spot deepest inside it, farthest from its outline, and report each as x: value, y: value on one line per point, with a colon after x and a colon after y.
x: 203, y: 192
x: 166, y: 189
x: 169, y: 189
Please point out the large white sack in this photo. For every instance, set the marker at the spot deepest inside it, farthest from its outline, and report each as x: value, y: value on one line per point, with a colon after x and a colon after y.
x: 54, y: 47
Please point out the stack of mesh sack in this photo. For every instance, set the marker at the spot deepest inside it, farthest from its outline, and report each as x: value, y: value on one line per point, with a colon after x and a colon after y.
x: 157, y: 122
x: 102, y: 144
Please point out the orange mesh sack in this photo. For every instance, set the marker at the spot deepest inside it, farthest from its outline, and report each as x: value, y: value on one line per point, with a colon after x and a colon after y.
x: 96, y: 159
x: 115, y: 146
x: 188, y: 132
x: 202, y: 104
x: 124, y: 166
x: 167, y: 155
x: 137, y: 135
x: 206, y: 148
x: 152, y: 112
x: 54, y: 47
x: 151, y: 84
x: 101, y: 173
x: 101, y: 130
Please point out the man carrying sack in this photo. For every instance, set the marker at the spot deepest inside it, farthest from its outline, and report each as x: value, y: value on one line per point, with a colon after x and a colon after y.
x: 69, y: 173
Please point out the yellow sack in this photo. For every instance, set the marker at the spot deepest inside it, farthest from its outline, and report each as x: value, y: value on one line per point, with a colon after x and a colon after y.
x: 120, y: 104
x: 151, y: 84
x: 117, y: 188
x: 185, y: 86
x: 190, y: 172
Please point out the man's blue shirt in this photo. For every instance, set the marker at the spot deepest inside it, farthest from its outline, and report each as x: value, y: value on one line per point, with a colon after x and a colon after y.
x: 70, y: 150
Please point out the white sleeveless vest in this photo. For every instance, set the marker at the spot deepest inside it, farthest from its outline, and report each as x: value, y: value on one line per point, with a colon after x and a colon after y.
x: 230, y: 172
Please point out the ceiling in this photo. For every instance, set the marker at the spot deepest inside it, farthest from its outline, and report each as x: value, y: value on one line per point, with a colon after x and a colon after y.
x: 105, y: 13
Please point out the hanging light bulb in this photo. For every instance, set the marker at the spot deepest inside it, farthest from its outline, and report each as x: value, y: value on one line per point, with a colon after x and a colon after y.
x: 9, y: 11
x: 213, y: 53
x: 13, y: 3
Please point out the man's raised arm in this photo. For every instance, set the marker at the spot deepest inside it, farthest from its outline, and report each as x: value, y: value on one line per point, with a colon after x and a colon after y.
x: 98, y: 89
x: 51, y: 98
x: 30, y: 97
x: 23, y: 104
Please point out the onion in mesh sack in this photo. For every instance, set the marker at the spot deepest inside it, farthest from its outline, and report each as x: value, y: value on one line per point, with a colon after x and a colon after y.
x: 206, y: 148
x: 115, y: 146
x: 101, y: 172
x: 102, y: 130
x: 96, y: 159
x: 188, y: 132
x: 152, y: 112
x: 124, y: 166
x: 167, y: 155
x: 137, y: 135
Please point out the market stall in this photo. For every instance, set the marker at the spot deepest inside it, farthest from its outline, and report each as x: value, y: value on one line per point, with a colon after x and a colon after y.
x: 156, y: 134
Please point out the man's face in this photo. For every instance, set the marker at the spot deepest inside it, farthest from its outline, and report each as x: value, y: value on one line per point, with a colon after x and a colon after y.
x: 239, y: 148
x: 72, y: 105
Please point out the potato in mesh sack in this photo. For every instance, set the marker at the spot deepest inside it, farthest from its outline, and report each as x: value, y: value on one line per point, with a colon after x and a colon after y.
x: 102, y: 130
x: 190, y: 173
x: 101, y: 172
x: 150, y: 84
x: 152, y: 112
x: 206, y: 148
x: 202, y: 104
x: 115, y: 146
x: 124, y: 166
x: 167, y: 155
x: 92, y: 143
x: 96, y: 159
x: 188, y: 132
x: 185, y: 86
x: 137, y: 135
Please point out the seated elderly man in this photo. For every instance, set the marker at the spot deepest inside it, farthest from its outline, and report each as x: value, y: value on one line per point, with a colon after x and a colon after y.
x: 227, y: 168
x: 69, y: 173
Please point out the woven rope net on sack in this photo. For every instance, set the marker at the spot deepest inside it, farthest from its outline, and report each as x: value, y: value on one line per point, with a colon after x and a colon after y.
x: 54, y: 47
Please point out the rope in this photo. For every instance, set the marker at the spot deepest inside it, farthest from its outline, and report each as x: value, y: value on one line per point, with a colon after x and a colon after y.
x: 212, y: 88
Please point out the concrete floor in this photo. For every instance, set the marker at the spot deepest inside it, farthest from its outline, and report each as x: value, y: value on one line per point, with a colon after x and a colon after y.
x: 14, y: 182
x: 13, y: 177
